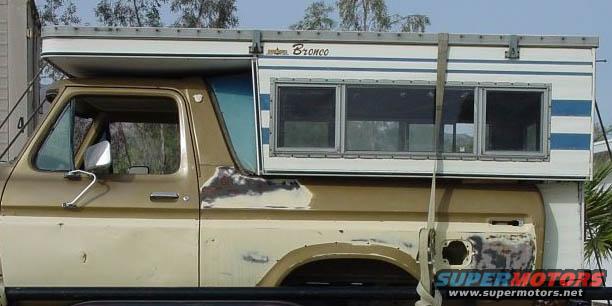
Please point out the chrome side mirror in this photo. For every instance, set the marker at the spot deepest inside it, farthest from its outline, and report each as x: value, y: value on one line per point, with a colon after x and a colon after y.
x: 98, y: 156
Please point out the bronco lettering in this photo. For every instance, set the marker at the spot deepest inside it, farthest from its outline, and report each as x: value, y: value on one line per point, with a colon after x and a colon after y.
x: 298, y: 49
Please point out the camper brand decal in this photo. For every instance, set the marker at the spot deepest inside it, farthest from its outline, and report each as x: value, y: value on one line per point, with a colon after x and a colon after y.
x: 299, y: 49
x: 277, y: 51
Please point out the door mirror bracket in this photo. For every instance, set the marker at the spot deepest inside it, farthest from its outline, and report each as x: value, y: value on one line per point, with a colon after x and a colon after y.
x: 97, y: 157
x: 74, y: 173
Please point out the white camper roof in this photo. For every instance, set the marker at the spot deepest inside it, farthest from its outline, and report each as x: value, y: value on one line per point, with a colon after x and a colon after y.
x: 94, y: 51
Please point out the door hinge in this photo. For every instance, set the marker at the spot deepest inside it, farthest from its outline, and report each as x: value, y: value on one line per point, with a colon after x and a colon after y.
x: 514, y: 51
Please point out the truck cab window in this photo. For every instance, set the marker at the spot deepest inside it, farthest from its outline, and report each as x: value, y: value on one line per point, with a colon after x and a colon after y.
x: 143, y: 133
x: 55, y: 154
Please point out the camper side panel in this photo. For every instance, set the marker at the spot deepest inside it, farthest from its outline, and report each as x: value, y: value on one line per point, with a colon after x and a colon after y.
x: 562, y: 77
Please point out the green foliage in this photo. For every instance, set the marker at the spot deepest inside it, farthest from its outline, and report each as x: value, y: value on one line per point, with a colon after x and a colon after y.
x: 598, y: 205
x: 364, y: 15
x: 317, y: 18
x: 130, y: 13
x: 205, y: 13
x: 59, y: 12
x: 360, y: 15
x: 414, y: 23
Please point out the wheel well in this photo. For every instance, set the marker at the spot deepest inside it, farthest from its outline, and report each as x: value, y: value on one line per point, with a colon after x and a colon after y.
x: 349, y: 271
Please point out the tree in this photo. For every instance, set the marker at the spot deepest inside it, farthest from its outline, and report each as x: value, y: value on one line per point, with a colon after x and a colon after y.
x: 598, y: 210
x: 59, y: 12
x: 360, y: 15
x: 414, y: 23
x: 364, y: 15
x: 130, y: 13
x: 205, y: 13
x: 317, y: 17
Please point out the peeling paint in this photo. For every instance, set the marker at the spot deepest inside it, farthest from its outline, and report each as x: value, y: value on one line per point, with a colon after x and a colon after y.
x: 255, y: 257
x: 228, y: 188
x: 503, y: 251
x: 83, y: 257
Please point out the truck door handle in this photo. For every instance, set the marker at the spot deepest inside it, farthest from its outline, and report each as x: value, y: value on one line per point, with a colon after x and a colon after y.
x: 161, y: 195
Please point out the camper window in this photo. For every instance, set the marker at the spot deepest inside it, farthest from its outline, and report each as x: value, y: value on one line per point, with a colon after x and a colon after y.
x: 458, y: 120
x: 306, y: 117
x: 389, y: 118
x: 513, y: 121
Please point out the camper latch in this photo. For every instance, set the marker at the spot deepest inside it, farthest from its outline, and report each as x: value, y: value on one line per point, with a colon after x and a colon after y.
x: 256, y: 47
x: 514, y: 52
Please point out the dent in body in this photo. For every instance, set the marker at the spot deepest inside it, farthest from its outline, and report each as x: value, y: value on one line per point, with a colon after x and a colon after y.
x: 228, y: 188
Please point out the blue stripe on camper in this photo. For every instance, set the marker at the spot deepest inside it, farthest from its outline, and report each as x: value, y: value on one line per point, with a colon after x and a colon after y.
x: 566, y: 141
x: 265, y: 135
x: 580, y: 108
x: 264, y: 101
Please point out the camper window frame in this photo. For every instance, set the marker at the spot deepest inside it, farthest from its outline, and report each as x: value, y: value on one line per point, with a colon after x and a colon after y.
x: 405, y: 154
x: 274, y: 113
x: 478, y: 153
x: 545, y: 117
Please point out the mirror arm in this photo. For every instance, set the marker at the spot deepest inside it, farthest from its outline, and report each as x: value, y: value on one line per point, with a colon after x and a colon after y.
x: 71, y: 174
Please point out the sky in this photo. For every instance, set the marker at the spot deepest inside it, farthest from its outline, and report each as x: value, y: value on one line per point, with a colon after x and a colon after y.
x: 536, y: 17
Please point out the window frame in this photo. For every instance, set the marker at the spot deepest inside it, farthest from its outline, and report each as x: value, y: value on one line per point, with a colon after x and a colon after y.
x: 478, y: 152
x: 274, y: 122
x: 545, y: 106
x: 74, y: 92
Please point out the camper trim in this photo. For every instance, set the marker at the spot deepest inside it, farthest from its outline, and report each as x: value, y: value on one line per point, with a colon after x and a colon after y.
x: 320, y: 36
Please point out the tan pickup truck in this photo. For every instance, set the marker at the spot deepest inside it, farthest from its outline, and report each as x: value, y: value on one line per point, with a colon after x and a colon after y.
x: 146, y: 180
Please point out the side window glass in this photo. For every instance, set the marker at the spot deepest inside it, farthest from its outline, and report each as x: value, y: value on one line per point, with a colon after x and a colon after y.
x: 55, y: 154
x: 306, y: 117
x: 458, y: 120
x: 143, y: 133
x: 513, y: 121
x: 390, y: 119
x: 144, y: 147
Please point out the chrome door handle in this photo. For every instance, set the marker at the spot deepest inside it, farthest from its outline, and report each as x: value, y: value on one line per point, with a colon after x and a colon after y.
x: 161, y: 195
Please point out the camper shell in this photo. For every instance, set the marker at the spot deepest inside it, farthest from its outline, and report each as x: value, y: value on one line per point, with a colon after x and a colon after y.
x: 556, y: 72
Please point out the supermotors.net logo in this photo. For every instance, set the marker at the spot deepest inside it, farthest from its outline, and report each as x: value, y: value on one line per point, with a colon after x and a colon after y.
x: 506, y: 278
x: 502, y: 284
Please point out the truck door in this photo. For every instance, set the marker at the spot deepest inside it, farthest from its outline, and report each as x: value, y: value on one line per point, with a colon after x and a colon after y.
x: 136, y: 226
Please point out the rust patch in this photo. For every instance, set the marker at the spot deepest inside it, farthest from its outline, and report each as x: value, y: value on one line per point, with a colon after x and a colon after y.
x: 503, y: 251
x: 227, y: 182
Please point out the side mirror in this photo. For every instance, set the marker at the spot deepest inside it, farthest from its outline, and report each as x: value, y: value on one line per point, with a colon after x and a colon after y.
x: 98, y: 156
